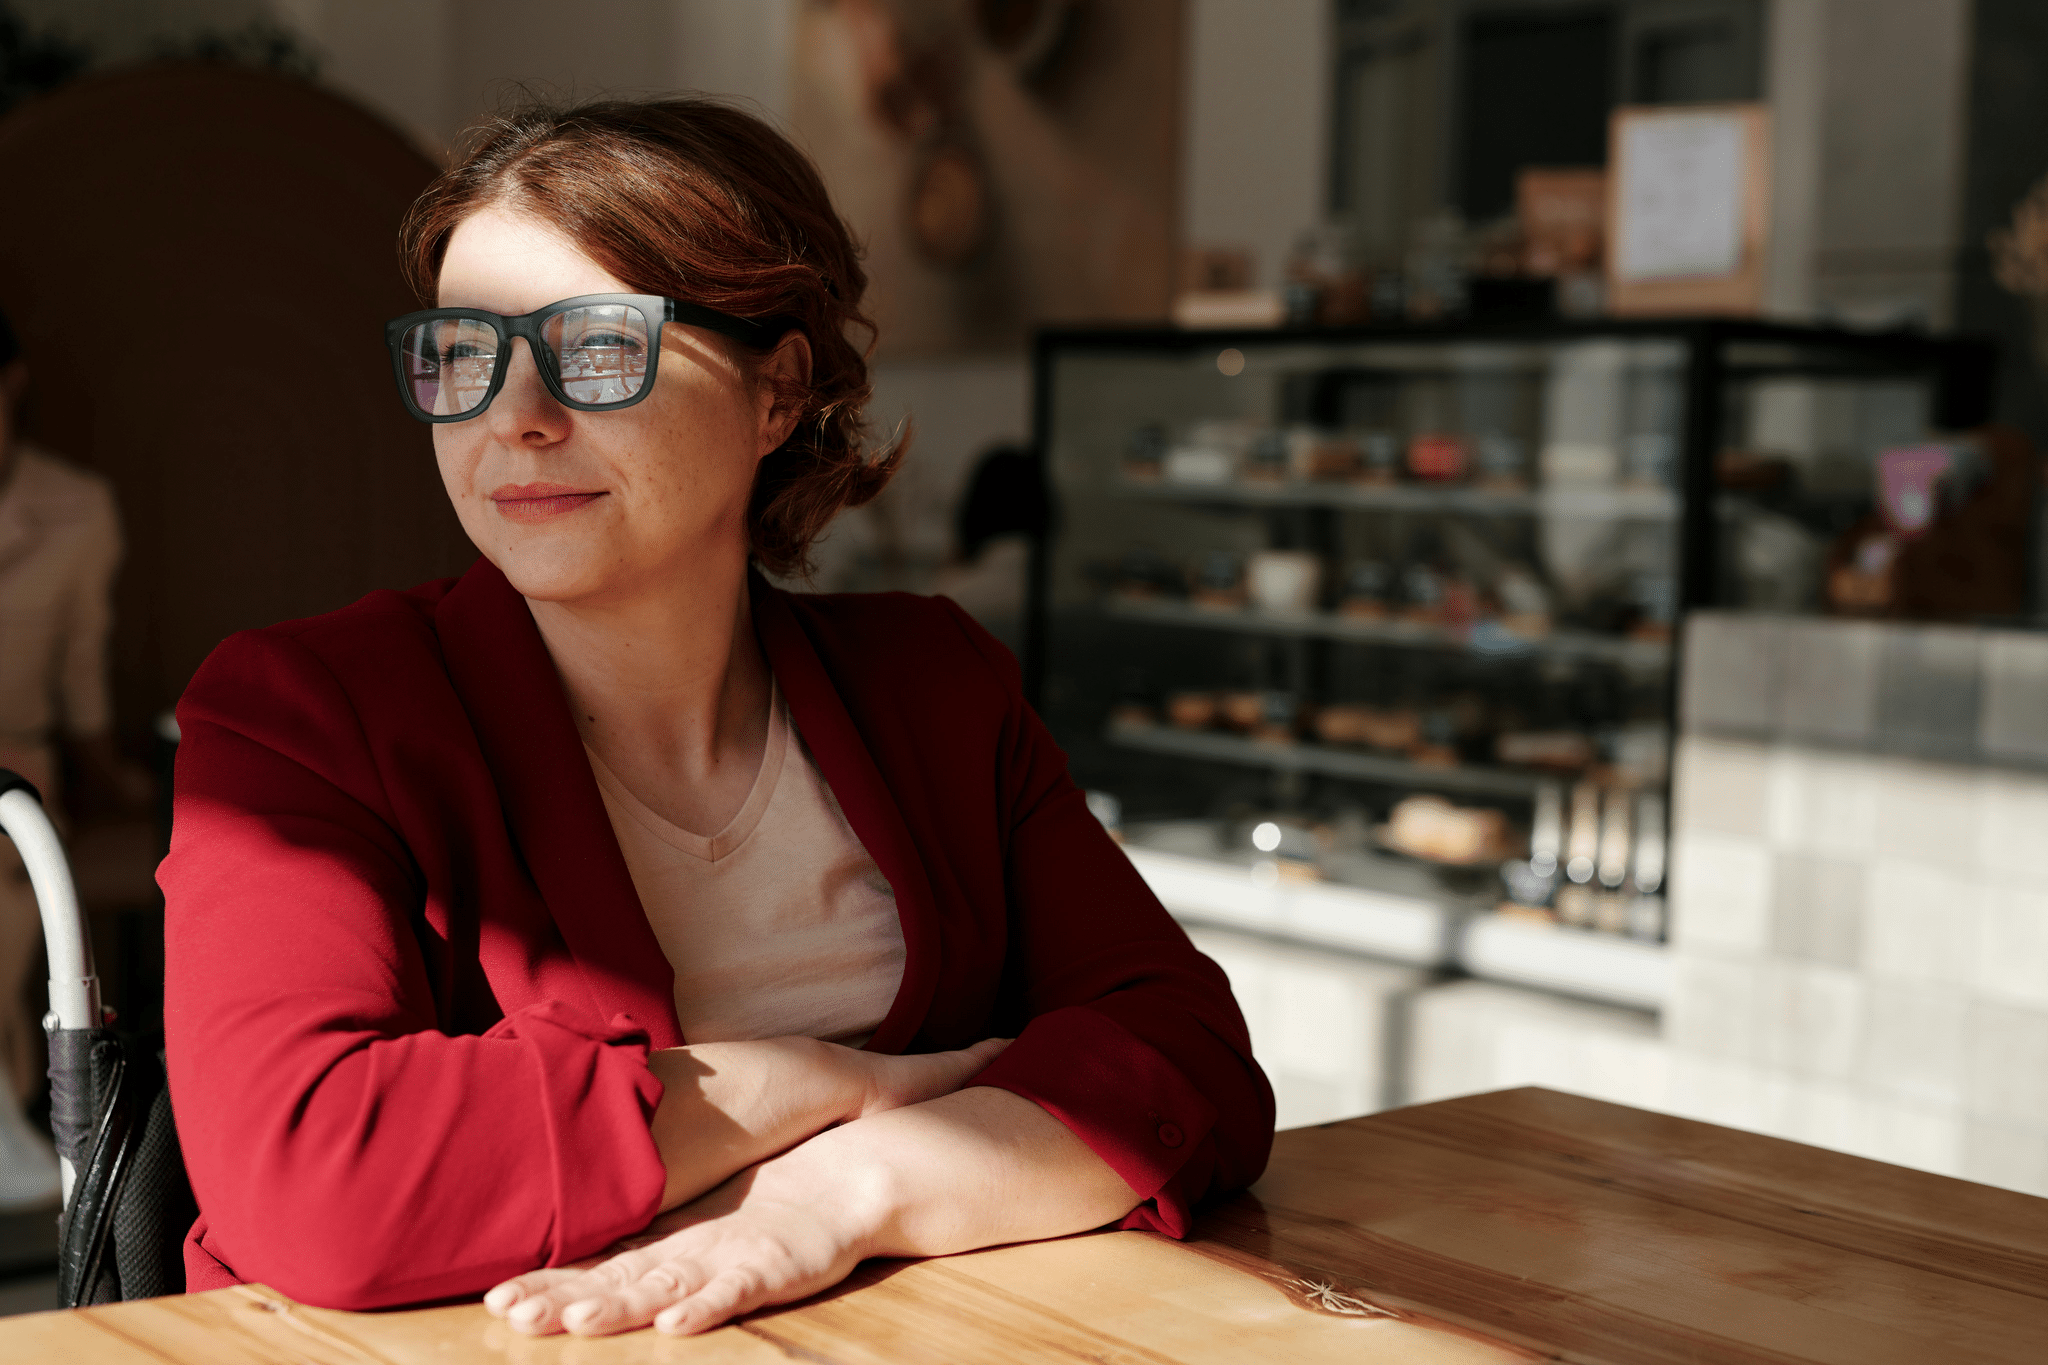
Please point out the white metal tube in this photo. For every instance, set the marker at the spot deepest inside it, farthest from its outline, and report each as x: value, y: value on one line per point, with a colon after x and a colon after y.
x: 74, y: 989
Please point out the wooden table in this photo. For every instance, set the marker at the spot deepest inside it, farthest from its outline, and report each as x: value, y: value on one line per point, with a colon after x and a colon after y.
x: 1522, y: 1225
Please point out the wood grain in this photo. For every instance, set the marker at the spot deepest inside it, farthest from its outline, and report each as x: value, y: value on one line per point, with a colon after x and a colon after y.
x: 1516, y: 1226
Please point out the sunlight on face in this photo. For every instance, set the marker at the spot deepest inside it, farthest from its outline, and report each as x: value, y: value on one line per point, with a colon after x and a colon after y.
x: 594, y: 506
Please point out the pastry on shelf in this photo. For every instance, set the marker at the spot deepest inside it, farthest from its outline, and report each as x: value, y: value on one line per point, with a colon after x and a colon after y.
x: 1319, y: 455
x: 1284, y: 582
x: 1562, y: 751
x: 1133, y: 709
x: 1146, y: 576
x: 1575, y: 905
x: 1655, y: 597
x: 1267, y: 461
x: 1502, y: 464
x: 1240, y: 711
x: 1145, y: 454
x: 1526, y: 914
x: 1461, y: 603
x: 1276, y: 722
x: 1525, y: 608
x: 1431, y: 828
x: 1367, y: 584
x: 1422, y: 595
x: 1131, y: 714
x: 1379, y: 459
x: 1397, y: 729
x: 1343, y: 723
x: 1439, y: 457
x: 1219, y: 582
x: 1191, y: 710
x: 1210, y: 455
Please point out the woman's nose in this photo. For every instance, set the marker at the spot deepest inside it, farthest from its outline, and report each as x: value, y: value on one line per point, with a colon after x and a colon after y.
x: 524, y: 412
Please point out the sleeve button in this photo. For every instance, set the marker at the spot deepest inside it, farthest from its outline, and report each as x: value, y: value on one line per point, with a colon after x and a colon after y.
x: 1170, y: 1134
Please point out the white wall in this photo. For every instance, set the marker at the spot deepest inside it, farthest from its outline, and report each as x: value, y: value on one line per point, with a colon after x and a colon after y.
x: 1868, y: 97
x: 736, y: 47
x: 433, y: 66
x: 1256, y: 150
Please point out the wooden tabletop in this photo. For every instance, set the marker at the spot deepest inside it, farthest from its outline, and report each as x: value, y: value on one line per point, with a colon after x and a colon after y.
x: 1521, y: 1225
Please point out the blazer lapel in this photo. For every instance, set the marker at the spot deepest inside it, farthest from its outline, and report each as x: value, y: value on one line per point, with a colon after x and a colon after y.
x: 849, y: 770
x: 508, y: 685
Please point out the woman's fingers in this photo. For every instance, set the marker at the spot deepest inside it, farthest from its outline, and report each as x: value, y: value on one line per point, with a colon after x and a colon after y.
x: 500, y: 1300
x: 637, y: 1303
x: 987, y: 1050
x: 900, y: 1081
x: 541, y: 1310
x: 724, y: 1297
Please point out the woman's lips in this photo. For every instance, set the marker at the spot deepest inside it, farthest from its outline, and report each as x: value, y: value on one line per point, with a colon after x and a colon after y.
x: 532, y: 502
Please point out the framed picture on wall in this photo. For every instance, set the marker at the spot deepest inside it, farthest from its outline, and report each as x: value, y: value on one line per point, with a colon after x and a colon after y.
x: 1688, y: 218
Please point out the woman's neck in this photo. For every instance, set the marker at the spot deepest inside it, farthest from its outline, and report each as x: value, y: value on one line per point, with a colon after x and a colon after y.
x: 670, y: 690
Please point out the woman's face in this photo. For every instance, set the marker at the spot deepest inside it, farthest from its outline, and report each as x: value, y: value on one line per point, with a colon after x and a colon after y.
x: 599, y: 507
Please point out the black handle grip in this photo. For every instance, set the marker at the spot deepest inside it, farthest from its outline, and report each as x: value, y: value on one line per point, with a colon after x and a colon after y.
x: 11, y: 781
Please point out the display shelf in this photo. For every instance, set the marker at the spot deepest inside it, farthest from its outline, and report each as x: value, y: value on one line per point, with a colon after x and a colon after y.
x: 1421, y: 931
x: 1596, y: 501
x: 1604, y: 967
x: 1591, y: 456
x: 1401, y: 928
x: 1318, y: 758
x: 1638, y: 654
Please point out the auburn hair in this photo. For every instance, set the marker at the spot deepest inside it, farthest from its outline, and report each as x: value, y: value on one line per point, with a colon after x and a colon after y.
x: 694, y: 199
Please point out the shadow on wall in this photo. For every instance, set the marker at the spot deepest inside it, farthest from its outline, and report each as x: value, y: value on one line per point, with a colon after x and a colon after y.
x: 200, y: 259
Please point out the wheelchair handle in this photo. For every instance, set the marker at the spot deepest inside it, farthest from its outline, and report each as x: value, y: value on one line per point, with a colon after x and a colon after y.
x: 74, y: 986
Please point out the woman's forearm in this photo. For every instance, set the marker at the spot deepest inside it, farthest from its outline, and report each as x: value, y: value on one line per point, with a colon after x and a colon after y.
x: 970, y: 1168
x: 726, y: 1106
x: 979, y: 1167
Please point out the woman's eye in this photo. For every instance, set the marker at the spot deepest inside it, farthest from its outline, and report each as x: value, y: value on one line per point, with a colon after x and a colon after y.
x: 465, y: 351
x: 605, y: 341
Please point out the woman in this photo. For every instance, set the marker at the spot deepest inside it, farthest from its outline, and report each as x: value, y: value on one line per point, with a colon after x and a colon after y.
x: 460, y: 993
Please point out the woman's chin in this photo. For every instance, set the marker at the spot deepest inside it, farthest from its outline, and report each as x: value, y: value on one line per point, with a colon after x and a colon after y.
x: 546, y: 577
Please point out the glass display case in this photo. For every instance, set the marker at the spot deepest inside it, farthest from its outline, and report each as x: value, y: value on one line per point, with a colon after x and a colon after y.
x: 1395, y: 609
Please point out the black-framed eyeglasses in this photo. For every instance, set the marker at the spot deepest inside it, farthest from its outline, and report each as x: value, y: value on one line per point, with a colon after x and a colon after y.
x: 595, y: 352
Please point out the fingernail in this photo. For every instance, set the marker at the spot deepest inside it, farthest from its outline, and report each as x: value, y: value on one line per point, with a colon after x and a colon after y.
x: 583, y: 1314
x: 501, y: 1298
x: 527, y: 1315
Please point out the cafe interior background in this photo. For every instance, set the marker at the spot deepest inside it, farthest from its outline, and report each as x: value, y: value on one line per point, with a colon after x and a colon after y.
x: 1524, y: 514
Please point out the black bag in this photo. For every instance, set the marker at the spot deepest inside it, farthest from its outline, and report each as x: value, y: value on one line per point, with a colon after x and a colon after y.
x: 121, y: 1234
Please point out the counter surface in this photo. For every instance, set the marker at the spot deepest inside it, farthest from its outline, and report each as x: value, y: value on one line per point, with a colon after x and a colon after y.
x: 1515, y: 1226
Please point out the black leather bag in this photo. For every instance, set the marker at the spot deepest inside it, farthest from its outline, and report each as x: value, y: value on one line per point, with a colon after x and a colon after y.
x: 121, y: 1234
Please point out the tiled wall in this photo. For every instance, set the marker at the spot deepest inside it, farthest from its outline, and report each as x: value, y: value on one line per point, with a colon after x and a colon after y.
x: 1860, y: 922
x: 1471, y: 1036
x: 1860, y: 891
x: 1327, y: 1027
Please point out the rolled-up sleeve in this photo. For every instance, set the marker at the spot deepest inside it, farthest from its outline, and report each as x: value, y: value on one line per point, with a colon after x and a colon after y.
x: 1134, y: 1040
x: 343, y: 1147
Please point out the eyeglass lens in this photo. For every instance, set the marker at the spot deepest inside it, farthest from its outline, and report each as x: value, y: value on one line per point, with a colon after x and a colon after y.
x: 598, y: 354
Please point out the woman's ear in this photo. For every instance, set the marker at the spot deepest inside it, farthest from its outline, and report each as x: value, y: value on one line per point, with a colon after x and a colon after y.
x: 783, y: 375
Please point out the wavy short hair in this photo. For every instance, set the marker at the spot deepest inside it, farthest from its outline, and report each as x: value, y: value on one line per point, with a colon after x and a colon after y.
x: 694, y: 199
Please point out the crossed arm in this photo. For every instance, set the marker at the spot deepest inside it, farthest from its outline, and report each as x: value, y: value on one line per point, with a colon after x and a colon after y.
x: 790, y: 1161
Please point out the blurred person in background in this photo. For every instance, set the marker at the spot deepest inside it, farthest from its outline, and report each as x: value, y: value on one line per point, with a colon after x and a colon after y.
x: 60, y: 542
x: 608, y: 929
x: 1004, y: 509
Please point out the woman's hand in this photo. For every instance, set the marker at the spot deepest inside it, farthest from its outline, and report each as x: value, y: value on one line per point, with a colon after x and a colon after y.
x: 973, y: 1168
x: 726, y: 1106
x: 895, y: 1082
x: 761, y: 1238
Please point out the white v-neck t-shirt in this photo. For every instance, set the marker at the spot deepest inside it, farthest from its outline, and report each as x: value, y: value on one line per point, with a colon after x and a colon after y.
x: 778, y: 924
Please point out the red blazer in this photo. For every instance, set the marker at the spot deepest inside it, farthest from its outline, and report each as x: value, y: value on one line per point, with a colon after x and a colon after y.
x: 410, y: 988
